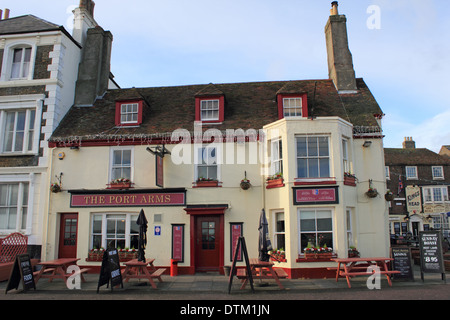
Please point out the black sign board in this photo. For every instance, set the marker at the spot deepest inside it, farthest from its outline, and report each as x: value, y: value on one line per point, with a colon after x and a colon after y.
x: 402, y: 263
x: 110, y: 270
x: 431, y: 255
x: 21, y: 271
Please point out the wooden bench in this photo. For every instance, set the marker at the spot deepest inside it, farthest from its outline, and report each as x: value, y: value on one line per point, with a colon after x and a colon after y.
x: 158, y: 273
x: 281, y: 273
x: 35, y: 273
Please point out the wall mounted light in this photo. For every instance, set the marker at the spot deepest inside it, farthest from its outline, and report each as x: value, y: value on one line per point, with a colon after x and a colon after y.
x: 367, y: 144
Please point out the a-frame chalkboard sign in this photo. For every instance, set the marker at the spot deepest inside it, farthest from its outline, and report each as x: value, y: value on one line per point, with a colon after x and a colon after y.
x: 21, y: 271
x: 110, y: 271
x: 240, y: 244
x: 431, y: 254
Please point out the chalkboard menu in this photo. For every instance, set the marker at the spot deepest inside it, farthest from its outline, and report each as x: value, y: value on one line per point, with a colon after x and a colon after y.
x: 21, y: 271
x: 431, y: 255
x: 110, y: 270
x: 402, y: 263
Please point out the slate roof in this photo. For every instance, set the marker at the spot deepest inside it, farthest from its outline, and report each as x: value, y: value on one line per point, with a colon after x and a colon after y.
x: 29, y: 23
x: 413, y: 157
x: 248, y: 105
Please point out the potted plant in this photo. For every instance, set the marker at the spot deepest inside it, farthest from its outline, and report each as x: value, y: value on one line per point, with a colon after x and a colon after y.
x: 121, y: 183
x: 372, y: 192
x: 55, y: 187
x: 389, y: 196
x: 275, y: 181
x: 245, y: 184
x: 310, y: 252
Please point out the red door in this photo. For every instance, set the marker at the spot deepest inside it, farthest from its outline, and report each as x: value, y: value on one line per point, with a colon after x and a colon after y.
x: 68, y: 235
x: 208, y: 243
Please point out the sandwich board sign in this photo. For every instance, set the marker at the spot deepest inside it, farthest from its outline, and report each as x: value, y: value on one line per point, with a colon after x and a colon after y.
x: 110, y: 270
x: 431, y: 255
x: 22, y: 271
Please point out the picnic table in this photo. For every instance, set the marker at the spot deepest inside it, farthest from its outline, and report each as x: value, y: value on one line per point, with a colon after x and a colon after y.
x: 140, y: 270
x: 57, y: 269
x: 261, y: 270
x: 351, y: 267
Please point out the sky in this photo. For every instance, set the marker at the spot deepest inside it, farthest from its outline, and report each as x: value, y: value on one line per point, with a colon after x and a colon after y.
x: 401, y: 48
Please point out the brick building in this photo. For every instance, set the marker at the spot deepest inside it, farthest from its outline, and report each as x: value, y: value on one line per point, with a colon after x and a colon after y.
x: 419, y: 180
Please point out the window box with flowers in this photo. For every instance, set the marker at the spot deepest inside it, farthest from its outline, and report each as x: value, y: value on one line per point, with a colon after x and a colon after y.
x: 349, y: 179
x: 318, y: 253
x: 275, y: 181
x: 353, y: 252
x: 206, y: 183
x: 95, y: 254
x: 127, y: 254
x: 278, y: 255
x: 121, y: 183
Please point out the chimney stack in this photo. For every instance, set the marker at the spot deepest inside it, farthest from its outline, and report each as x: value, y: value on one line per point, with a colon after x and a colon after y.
x: 340, y: 61
x: 409, y: 143
x: 83, y: 19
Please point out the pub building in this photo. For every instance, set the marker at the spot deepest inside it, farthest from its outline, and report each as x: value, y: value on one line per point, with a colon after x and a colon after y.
x: 203, y: 161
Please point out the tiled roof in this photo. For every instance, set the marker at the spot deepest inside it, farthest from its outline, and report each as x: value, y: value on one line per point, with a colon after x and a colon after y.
x: 247, y: 106
x: 413, y: 157
x: 28, y: 24
x: 24, y: 24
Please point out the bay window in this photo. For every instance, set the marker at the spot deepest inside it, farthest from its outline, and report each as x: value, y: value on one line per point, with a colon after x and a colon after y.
x: 313, y: 157
x: 316, y: 228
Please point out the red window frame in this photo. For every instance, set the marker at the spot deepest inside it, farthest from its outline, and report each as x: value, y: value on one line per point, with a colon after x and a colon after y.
x: 304, y: 98
x: 140, y: 104
x: 198, y: 101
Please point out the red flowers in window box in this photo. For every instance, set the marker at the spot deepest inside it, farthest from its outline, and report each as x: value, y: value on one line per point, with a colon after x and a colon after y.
x: 121, y: 183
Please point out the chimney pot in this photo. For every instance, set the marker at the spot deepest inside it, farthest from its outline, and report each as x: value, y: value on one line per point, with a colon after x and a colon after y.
x: 6, y: 13
x: 334, y: 8
x: 1, y: 14
x: 409, y: 143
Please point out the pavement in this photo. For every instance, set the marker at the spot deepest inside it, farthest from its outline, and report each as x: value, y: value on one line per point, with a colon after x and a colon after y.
x: 210, y: 286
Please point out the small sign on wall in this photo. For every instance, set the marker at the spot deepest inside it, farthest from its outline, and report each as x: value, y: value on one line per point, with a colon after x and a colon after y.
x: 157, y: 230
x: 316, y: 195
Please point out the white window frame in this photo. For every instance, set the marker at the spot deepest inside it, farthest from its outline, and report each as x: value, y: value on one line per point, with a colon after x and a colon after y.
x: 8, y: 56
x: 315, y: 209
x: 290, y: 111
x: 105, y: 216
x: 437, y: 168
x: 318, y: 157
x: 387, y: 172
x: 215, y: 109
x: 22, y: 103
x: 212, y: 162
x: 276, y: 155
x: 435, y: 194
x: 21, y: 179
x: 276, y: 245
x: 133, y: 112
x: 111, y: 162
x: 409, y: 175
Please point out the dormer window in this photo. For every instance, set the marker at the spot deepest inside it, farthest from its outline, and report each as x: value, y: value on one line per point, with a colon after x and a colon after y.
x: 292, y: 105
x: 210, y: 109
x: 129, y: 113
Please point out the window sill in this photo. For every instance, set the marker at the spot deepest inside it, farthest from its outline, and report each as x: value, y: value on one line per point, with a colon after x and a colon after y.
x: 314, y: 181
x: 207, y: 184
x: 18, y: 154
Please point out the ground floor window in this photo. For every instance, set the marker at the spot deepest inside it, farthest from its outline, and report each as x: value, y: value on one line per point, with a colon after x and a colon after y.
x: 316, y: 228
x: 13, y: 206
x: 114, y: 231
x: 279, y: 241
